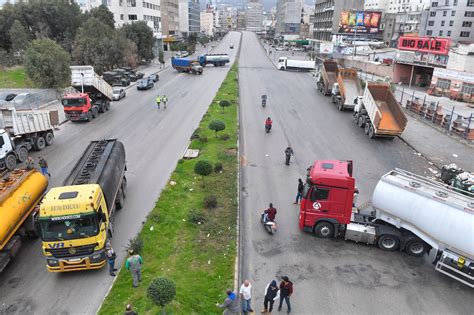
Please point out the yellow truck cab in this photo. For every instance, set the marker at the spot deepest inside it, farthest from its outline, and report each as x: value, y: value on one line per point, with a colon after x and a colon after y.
x: 75, y: 219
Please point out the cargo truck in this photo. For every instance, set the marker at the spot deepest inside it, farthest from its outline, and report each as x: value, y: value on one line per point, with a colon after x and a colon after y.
x: 410, y: 213
x: 327, y: 76
x: 21, y: 131
x: 289, y: 64
x: 347, y: 90
x: 379, y: 113
x: 76, y: 219
x: 20, y: 192
x: 186, y: 65
x: 93, y: 95
x: 214, y: 59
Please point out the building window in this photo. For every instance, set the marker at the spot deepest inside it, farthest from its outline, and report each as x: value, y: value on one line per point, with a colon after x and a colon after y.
x: 464, y: 34
x: 121, y: 17
x: 469, y: 13
x: 442, y: 23
x: 430, y: 23
x: 445, y: 13
x: 453, y: 13
x: 443, y: 84
x: 132, y: 17
x: 120, y: 2
x: 467, y: 88
x: 434, y: 4
x: 455, y: 2
x: 429, y: 32
x: 470, y: 3
x: 440, y: 33
x: 451, y: 23
x: 449, y: 33
x: 433, y: 13
x: 131, y: 3
x: 466, y: 24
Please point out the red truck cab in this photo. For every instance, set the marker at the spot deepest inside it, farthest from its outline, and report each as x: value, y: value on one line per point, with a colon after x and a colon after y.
x: 77, y: 106
x: 327, y: 197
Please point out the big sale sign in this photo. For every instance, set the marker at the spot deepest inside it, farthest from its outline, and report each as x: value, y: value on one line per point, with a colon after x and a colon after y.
x: 434, y: 45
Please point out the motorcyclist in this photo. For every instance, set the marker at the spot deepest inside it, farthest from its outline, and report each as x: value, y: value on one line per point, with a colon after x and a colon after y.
x: 269, y: 214
x: 264, y: 99
x: 268, y: 123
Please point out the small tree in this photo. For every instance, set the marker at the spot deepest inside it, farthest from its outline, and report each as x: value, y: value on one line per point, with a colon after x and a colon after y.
x: 217, y: 126
x: 161, y: 291
x: 224, y: 104
x: 161, y: 57
x: 19, y: 38
x: 203, y: 168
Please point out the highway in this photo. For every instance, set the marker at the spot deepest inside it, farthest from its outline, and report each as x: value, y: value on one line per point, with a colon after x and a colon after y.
x: 154, y: 141
x: 330, y: 276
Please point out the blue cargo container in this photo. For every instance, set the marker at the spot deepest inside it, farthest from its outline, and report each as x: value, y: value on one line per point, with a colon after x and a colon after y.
x: 186, y: 65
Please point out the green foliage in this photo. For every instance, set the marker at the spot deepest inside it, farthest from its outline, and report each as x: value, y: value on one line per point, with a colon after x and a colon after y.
x: 203, y: 139
x: 135, y: 244
x: 224, y: 104
x: 161, y: 57
x: 203, y: 167
x: 218, y: 166
x: 142, y: 36
x: 196, y: 217
x: 103, y: 14
x: 217, y: 126
x: 161, y: 291
x: 47, y: 64
x: 19, y: 37
x: 14, y: 78
x: 210, y: 201
x: 224, y: 137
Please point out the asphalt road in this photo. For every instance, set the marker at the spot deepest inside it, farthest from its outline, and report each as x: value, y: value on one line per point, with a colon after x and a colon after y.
x: 154, y: 141
x: 329, y: 276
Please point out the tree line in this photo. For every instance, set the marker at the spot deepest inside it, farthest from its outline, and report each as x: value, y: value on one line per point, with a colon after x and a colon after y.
x: 49, y: 36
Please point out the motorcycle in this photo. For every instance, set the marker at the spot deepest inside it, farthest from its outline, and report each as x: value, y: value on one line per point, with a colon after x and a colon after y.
x: 270, y: 226
x: 268, y: 127
x: 264, y: 100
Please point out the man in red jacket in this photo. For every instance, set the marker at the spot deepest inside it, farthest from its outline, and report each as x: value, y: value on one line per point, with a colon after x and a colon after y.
x: 269, y: 214
x: 286, y: 290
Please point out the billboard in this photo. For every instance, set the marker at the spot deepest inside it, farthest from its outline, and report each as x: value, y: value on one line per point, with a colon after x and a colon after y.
x: 325, y: 48
x: 365, y: 22
x: 434, y: 45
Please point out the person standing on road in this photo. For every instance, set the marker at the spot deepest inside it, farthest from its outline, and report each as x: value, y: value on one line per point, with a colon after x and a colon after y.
x: 286, y: 290
x: 111, y: 256
x: 164, y: 99
x: 246, y: 297
x: 299, y: 195
x: 231, y: 304
x: 129, y: 310
x: 272, y: 293
x: 134, y: 264
x: 288, y: 154
x: 158, y: 101
x: 43, y: 166
x: 30, y: 163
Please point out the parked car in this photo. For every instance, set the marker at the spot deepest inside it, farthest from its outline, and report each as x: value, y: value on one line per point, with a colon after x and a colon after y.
x: 131, y: 74
x: 155, y: 77
x: 145, y: 84
x: 231, y: 46
x: 118, y: 93
x: 279, y: 48
x: 139, y: 75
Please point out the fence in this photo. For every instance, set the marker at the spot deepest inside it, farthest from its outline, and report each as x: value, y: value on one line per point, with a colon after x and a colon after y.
x: 31, y: 98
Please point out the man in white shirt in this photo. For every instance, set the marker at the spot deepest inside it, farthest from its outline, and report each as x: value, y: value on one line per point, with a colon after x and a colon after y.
x: 246, y: 297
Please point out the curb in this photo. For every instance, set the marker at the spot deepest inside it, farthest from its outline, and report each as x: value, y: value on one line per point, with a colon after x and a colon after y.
x: 267, y: 55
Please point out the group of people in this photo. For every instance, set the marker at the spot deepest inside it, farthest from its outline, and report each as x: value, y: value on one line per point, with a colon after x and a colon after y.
x: 133, y: 263
x: 234, y: 304
x: 43, y: 165
x: 161, y: 99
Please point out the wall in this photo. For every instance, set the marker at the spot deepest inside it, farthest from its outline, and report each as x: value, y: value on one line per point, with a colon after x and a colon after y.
x: 369, y: 67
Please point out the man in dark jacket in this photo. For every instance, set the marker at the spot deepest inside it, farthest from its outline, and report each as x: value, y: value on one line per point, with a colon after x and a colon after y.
x: 272, y: 293
x: 288, y: 154
x: 300, y: 191
x: 286, y: 290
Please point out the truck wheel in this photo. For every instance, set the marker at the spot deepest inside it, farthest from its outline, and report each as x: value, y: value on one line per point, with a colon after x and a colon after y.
x: 124, y: 187
x: 200, y: 72
x: 107, y: 106
x: 389, y: 242
x: 416, y: 247
x: 22, y: 154
x: 40, y: 143
x: 95, y: 112
x: 371, y: 131
x: 49, y: 137
x: 360, y: 122
x: 340, y: 106
x: 356, y: 118
x: 367, y: 127
x: 119, y: 201
x: 90, y: 116
x: 324, y: 230
x: 10, y: 162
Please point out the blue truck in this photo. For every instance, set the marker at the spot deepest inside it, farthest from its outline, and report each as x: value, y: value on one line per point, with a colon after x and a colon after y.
x: 215, y: 59
x: 186, y: 65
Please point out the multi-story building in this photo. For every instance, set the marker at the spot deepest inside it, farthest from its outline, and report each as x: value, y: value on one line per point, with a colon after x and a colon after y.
x: 225, y: 17
x: 327, y: 14
x: 170, y: 17
x: 452, y: 19
x: 288, y: 16
x: 241, y: 20
x: 307, y: 22
x: 400, y: 24
x: 207, y: 21
x: 254, y: 14
x: 396, y: 6
x: 189, y: 17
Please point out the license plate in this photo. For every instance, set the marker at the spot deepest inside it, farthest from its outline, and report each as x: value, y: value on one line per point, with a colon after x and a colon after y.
x: 74, y: 260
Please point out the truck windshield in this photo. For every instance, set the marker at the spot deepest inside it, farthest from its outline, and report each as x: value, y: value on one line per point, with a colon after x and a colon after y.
x: 69, y: 227
x: 71, y: 102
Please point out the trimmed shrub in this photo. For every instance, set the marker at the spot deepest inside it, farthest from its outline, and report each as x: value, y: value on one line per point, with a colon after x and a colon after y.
x: 217, y: 126
x: 223, y: 104
x: 203, y: 168
x: 218, y: 167
x: 161, y: 291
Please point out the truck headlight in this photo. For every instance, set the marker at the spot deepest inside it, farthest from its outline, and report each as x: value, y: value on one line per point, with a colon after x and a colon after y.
x: 53, y: 262
x: 97, y: 257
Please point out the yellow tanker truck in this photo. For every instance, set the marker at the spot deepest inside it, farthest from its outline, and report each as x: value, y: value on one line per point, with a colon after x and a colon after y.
x: 20, y: 192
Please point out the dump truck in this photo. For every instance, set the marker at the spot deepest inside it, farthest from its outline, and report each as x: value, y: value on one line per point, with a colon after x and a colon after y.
x: 408, y: 213
x: 214, y: 59
x: 186, y: 65
x: 76, y: 219
x: 327, y: 76
x: 347, y: 90
x: 93, y: 95
x: 21, y: 131
x: 20, y: 193
x: 292, y: 64
x: 378, y: 112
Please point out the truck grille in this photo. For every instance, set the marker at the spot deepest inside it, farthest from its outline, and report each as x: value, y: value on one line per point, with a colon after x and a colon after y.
x: 72, y: 251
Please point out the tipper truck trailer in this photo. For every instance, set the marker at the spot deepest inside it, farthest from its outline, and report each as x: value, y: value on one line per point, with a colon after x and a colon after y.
x: 93, y: 97
x: 186, y: 65
x: 379, y: 113
x: 214, y: 59
x: 410, y: 213
x: 21, y: 131
x: 20, y: 192
x: 292, y: 64
x: 327, y: 76
x: 347, y: 90
x: 76, y: 218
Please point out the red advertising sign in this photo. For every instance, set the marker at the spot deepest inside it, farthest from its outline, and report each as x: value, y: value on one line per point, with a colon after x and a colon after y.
x: 434, y: 45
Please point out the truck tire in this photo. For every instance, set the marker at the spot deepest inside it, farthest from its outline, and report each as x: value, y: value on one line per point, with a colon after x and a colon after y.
x: 340, y: 105
x: 356, y: 118
x: 367, y: 127
x: 389, y: 242
x: 107, y: 105
x: 22, y: 154
x: 416, y: 247
x: 120, y: 199
x: 361, y: 122
x: 49, y: 138
x: 324, y: 230
x: 10, y: 161
x: 95, y: 112
x: 371, y: 132
x: 40, y: 143
x: 90, y: 116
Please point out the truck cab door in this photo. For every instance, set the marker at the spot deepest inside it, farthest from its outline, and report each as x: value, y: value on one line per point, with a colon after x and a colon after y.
x: 5, y: 144
x: 319, y: 200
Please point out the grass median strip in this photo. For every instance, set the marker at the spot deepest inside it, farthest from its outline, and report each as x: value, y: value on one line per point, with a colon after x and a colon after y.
x: 190, y: 235
x: 14, y: 78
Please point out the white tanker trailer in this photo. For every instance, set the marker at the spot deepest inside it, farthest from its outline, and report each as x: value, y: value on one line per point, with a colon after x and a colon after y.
x: 411, y: 214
